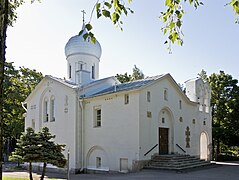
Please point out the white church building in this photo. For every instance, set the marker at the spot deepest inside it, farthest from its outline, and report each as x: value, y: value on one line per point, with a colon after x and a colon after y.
x: 111, y: 126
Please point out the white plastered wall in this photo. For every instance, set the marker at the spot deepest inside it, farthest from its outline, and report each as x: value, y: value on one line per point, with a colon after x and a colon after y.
x: 118, y: 135
x: 64, y: 126
x: 189, y: 111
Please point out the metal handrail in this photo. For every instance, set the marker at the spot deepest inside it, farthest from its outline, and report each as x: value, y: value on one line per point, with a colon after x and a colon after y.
x: 151, y: 149
x: 181, y: 148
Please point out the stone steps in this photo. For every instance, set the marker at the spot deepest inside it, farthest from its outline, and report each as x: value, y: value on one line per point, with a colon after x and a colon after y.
x: 176, y: 162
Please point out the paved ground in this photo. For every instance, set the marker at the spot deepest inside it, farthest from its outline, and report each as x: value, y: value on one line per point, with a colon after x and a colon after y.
x: 225, y: 171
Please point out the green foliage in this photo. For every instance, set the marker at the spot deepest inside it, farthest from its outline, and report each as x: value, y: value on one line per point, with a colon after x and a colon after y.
x: 15, y: 157
x: 17, y: 85
x: 39, y: 147
x: 235, y: 6
x: 225, y: 105
x: 113, y: 10
x: 227, y: 157
x: 51, y: 152
x: 124, y: 77
x: 171, y: 17
x: 203, y: 75
x: 88, y: 35
x: 28, y: 146
x: 12, y: 6
x: 136, y: 75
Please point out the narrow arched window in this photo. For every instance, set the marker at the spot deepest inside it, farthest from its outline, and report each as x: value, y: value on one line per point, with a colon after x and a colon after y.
x: 148, y: 96
x: 52, y: 108
x: 126, y: 99
x: 93, y: 72
x: 45, y: 110
x: 180, y: 104
x: 69, y: 71
x: 33, y: 124
x: 165, y: 94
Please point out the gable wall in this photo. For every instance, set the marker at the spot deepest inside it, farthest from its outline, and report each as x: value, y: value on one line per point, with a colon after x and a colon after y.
x: 149, y: 126
x: 65, y: 114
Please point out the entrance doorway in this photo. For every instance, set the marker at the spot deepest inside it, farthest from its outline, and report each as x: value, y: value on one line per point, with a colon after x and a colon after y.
x: 163, y: 140
x: 203, y: 146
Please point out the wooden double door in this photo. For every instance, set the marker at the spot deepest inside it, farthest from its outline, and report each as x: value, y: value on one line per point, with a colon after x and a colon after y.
x: 163, y: 140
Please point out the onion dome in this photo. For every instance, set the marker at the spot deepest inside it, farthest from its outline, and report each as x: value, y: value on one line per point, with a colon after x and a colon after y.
x: 78, y: 45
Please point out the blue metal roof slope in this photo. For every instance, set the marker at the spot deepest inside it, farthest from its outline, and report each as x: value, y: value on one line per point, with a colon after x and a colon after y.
x: 127, y: 86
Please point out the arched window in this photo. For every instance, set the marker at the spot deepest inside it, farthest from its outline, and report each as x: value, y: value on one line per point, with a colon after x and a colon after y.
x: 93, y: 72
x: 52, y: 109
x: 148, y: 96
x: 33, y: 124
x: 69, y: 71
x: 180, y: 104
x: 97, y: 116
x: 165, y: 94
x: 45, y: 110
x: 126, y: 99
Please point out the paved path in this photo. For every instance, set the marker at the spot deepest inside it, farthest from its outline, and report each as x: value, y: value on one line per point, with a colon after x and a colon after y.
x: 227, y: 171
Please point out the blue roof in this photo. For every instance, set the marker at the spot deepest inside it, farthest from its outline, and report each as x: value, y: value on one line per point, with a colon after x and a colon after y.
x: 127, y: 86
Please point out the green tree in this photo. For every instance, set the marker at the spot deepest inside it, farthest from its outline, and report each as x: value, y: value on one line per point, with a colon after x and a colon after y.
x: 38, y: 147
x: 50, y: 152
x: 136, y: 75
x: 225, y: 104
x: 18, y: 84
x: 3, y: 34
x: 224, y: 99
x: 28, y: 149
x: 203, y: 75
x: 7, y: 17
x: 231, y: 124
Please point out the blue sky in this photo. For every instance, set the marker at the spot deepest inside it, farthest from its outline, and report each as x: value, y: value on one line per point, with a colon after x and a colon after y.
x: 211, y: 39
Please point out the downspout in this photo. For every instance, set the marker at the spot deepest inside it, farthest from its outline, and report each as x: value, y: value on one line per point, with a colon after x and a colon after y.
x: 82, y: 133
x: 23, y: 103
x: 24, y: 114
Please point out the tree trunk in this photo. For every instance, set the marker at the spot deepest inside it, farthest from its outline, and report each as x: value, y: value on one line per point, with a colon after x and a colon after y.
x: 218, y: 137
x: 213, y: 149
x: 3, y: 35
x: 43, y: 171
x: 30, y: 171
x: 218, y: 146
